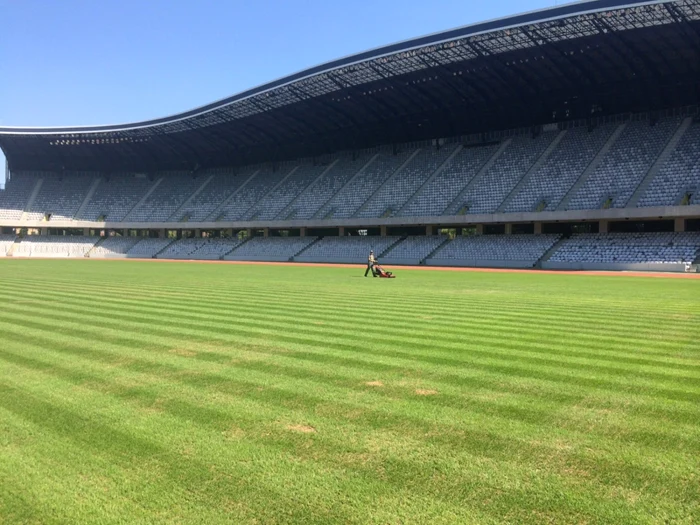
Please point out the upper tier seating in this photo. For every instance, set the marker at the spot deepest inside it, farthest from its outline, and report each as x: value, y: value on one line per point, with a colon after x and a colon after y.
x: 274, y: 247
x: 54, y: 246
x: 6, y: 242
x: 679, y: 175
x: 628, y: 248
x: 265, y: 180
x: 15, y: 196
x: 513, y: 176
x: 61, y: 196
x: 551, y: 182
x: 311, y: 200
x: 349, y: 248
x: 278, y: 199
x: 526, y: 248
x: 435, y: 197
x: 415, y: 248
x: 625, y: 165
x: 171, y: 193
x: 347, y: 201
x: 499, y: 180
x: 115, y: 197
x: 393, y: 195
x: 210, y: 199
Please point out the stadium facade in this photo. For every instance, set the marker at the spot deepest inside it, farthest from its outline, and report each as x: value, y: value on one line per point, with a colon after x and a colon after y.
x: 568, y: 137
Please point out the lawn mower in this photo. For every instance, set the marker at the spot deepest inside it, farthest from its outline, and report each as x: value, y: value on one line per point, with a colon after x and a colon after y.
x: 379, y: 271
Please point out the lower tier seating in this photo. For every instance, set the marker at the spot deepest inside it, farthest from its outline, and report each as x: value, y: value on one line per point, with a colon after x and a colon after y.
x: 349, y: 248
x: 629, y: 248
x: 6, y: 242
x: 523, y: 249
x: 114, y: 247
x: 275, y: 248
x: 54, y: 246
x: 415, y: 248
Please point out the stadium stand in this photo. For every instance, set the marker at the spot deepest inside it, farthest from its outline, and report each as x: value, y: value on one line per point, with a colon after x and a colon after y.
x: 114, y: 247
x: 648, y: 251
x: 350, y: 199
x: 540, y: 124
x: 6, y: 242
x: 115, y: 197
x: 679, y: 176
x: 221, y: 187
x: 626, y: 164
x: 182, y: 249
x: 549, y: 184
x: 168, y: 196
x: 504, y: 175
x: 413, y: 250
x: 54, y: 246
x: 265, y: 180
x: 215, y: 249
x: 60, y: 196
x: 348, y: 249
x: 448, y: 184
x: 15, y: 196
x: 270, y: 249
x: 392, y: 196
x: 310, y: 201
x: 508, y: 251
x: 148, y: 248
x: 280, y: 197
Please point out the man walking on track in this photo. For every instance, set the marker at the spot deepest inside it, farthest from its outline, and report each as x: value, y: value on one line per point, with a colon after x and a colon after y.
x: 370, y: 264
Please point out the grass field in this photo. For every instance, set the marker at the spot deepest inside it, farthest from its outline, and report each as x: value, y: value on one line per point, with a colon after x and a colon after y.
x: 183, y: 393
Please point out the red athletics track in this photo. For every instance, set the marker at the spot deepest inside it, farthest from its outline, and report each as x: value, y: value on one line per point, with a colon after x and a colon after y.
x: 422, y: 268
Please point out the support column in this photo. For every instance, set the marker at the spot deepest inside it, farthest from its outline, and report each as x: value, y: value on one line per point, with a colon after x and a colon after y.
x: 509, y: 229
x: 161, y: 233
x: 125, y: 233
x: 249, y: 232
x: 382, y: 231
x: 302, y: 232
x: 603, y: 227
x: 341, y: 231
x: 266, y: 232
x: 479, y: 229
x: 679, y: 225
x: 430, y: 230
x: 538, y: 228
x: 197, y: 233
x: 44, y: 231
x: 86, y: 232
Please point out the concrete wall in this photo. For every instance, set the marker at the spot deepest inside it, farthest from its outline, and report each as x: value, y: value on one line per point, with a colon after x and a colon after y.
x: 262, y: 258
x: 666, y: 212
x: 614, y: 267
x: 478, y: 263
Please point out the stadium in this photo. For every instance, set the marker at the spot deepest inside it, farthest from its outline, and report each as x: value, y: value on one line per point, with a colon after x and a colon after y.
x: 556, y: 148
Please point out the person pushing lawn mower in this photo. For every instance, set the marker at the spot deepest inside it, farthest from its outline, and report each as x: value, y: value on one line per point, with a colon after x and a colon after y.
x: 371, y: 261
x: 376, y: 269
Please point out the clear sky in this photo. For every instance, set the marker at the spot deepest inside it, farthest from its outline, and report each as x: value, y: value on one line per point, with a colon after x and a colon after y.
x: 82, y: 62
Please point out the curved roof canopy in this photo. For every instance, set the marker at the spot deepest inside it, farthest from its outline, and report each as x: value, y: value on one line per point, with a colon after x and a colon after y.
x: 572, y: 61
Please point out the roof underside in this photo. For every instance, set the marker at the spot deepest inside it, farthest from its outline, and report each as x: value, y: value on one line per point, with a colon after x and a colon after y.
x: 572, y: 62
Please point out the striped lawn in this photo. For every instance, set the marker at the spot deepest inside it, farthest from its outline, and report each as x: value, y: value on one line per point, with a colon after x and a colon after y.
x: 186, y: 393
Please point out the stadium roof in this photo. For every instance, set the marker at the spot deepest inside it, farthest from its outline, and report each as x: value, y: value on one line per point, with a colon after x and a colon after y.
x: 568, y: 62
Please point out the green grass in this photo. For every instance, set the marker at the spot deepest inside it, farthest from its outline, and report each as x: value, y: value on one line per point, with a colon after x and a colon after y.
x: 184, y: 393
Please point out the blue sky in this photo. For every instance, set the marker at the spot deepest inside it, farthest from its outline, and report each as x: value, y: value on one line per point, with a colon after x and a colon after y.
x: 81, y: 62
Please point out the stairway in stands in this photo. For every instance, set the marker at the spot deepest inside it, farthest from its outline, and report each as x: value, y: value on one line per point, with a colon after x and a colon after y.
x: 306, y: 248
x: 548, y: 254
x: 436, y: 249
